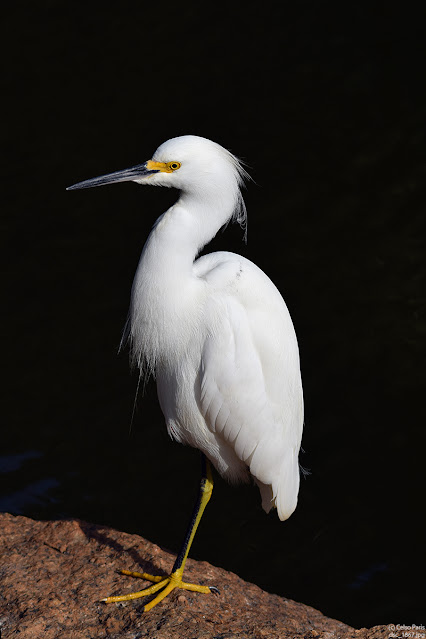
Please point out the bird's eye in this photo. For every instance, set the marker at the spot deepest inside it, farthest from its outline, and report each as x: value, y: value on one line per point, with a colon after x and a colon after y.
x: 173, y: 166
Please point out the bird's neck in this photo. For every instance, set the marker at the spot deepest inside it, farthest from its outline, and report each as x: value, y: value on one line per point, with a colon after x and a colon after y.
x: 166, y: 295
x: 181, y: 232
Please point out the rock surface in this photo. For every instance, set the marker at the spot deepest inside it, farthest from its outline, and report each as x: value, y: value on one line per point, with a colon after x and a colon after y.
x: 53, y: 573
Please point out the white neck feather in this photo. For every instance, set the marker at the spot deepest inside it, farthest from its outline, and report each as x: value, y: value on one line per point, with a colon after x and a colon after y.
x: 165, y: 287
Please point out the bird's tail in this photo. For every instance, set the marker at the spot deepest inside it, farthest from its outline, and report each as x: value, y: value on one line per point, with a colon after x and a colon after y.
x: 282, y: 492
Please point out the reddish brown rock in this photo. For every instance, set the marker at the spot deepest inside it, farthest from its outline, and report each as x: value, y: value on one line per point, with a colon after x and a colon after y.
x: 52, y: 575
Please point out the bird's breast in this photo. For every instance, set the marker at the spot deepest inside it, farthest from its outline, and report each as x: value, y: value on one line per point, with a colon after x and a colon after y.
x: 165, y: 316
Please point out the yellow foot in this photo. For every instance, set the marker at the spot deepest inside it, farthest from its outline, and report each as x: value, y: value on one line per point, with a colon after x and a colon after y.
x: 168, y: 583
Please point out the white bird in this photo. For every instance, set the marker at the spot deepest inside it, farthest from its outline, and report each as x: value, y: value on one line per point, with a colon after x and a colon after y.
x: 216, y: 334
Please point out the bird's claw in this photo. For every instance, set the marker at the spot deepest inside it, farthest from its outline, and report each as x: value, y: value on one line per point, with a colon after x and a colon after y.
x: 165, y: 584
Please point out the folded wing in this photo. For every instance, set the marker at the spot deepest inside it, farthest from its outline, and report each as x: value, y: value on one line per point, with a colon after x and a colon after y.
x: 251, y: 397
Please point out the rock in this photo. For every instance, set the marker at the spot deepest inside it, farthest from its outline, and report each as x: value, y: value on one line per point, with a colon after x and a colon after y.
x: 53, y: 573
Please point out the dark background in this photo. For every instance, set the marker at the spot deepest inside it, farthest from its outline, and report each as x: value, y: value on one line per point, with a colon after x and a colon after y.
x: 328, y: 108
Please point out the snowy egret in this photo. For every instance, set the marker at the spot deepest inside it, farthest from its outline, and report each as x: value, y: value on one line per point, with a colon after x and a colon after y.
x: 218, y: 337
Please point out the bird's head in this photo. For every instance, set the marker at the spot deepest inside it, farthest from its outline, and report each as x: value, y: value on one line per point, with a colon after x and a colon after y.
x: 188, y: 163
x: 192, y: 164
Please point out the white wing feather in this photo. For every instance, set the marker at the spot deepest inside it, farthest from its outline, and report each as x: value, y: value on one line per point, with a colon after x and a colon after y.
x: 251, y: 394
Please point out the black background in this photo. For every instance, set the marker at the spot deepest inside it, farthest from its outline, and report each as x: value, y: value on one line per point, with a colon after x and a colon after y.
x: 328, y: 109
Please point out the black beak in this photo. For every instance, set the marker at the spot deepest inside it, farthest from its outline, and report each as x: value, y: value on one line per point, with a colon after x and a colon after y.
x: 128, y: 175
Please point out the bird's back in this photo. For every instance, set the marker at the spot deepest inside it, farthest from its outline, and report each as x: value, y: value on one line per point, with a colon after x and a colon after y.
x: 247, y: 409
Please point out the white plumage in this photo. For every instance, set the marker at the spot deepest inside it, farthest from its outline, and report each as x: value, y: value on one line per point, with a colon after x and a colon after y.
x: 215, y: 331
